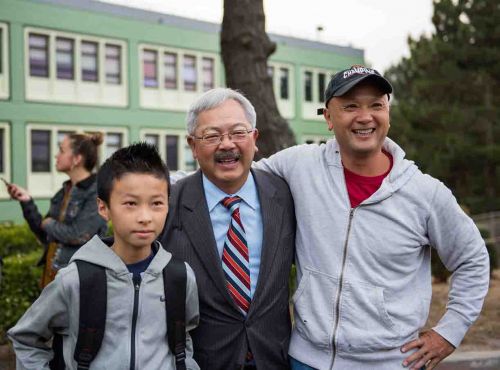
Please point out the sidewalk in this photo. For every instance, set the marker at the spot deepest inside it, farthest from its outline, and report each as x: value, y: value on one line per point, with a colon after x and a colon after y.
x: 479, y: 360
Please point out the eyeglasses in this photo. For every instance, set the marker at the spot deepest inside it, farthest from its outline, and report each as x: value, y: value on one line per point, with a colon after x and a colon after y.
x: 236, y: 136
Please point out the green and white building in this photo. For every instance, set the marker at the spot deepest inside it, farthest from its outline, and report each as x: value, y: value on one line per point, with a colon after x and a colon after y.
x: 80, y: 65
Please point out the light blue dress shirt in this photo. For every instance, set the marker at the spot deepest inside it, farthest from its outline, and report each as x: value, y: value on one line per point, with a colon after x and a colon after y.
x: 251, y: 217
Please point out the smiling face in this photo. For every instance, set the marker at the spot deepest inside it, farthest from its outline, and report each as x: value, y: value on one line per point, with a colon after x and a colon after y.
x: 360, y: 120
x: 138, y: 207
x: 226, y: 164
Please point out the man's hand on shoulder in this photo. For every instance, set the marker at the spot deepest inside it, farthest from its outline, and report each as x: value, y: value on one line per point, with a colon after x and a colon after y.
x: 431, y: 347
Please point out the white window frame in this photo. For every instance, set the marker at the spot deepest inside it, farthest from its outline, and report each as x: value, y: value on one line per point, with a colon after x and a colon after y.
x: 76, y: 91
x: 181, y: 149
x: 4, y: 74
x: 45, y: 184
x: 6, y: 156
x: 286, y: 107
x: 173, y: 99
x: 309, y: 109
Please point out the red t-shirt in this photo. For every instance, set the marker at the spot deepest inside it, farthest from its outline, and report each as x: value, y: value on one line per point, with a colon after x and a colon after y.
x: 360, y: 187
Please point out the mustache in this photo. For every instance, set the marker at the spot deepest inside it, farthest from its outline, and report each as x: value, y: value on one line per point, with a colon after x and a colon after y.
x: 225, y: 155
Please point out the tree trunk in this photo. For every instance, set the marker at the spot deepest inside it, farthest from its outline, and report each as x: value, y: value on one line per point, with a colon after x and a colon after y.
x: 245, y: 48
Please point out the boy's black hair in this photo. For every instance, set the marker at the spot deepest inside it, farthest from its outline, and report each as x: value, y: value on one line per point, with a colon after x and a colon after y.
x: 142, y: 158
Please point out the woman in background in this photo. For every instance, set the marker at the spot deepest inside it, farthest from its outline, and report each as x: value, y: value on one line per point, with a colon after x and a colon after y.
x: 72, y: 218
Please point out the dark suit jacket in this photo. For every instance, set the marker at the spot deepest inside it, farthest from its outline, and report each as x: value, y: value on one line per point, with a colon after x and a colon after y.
x: 224, y: 334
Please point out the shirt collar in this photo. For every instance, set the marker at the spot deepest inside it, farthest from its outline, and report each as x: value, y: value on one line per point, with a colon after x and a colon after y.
x: 248, y: 193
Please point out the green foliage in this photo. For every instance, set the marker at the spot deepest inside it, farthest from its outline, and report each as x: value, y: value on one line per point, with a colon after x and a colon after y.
x: 19, y: 287
x: 16, y: 239
x: 447, y: 101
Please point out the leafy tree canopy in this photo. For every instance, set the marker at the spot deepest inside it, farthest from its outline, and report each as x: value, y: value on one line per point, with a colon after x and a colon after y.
x: 446, y: 113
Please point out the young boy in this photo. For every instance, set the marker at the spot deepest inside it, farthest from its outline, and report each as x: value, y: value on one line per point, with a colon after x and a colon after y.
x: 132, y: 187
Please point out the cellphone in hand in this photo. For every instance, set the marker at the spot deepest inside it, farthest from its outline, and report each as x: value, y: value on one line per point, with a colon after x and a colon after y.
x: 5, y: 182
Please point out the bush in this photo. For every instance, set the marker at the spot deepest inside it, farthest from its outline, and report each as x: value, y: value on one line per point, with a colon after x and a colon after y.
x: 17, y: 239
x: 19, y: 288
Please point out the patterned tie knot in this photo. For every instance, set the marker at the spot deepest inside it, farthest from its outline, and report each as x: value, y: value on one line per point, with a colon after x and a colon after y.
x: 231, y: 203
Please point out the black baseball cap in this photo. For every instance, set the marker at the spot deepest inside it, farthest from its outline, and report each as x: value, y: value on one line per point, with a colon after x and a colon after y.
x: 345, y: 80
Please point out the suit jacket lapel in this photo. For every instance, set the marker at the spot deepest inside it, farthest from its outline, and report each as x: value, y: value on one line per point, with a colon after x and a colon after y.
x: 272, y: 219
x: 198, y: 227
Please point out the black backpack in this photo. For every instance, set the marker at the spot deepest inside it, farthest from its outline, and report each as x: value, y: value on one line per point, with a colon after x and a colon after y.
x: 93, y: 298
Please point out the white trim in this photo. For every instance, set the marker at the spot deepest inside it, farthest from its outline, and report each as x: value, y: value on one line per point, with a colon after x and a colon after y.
x: 6, y: 157
x: 76, y: 91
x: 286, y: 107
x: 4, y: 74
x: 183, y: 149
x: 173, y: 99
x: 309, y: 109
x: 45, y: 184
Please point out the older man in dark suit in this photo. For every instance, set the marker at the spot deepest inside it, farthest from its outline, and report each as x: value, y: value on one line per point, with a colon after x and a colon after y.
x: 236, y: 228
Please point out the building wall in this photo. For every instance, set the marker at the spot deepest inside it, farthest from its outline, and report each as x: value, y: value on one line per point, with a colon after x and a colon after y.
x: 30, y: 104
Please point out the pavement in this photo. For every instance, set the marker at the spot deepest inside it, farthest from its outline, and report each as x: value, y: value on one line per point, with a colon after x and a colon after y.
x: 479, y: 360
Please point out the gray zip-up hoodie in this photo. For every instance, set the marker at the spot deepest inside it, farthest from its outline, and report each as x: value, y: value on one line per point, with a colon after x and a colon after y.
x: 57, y: 310
x: 364, y: 279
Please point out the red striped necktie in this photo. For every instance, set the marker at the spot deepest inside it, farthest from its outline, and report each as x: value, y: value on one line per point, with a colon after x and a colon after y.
x: 235, y: 257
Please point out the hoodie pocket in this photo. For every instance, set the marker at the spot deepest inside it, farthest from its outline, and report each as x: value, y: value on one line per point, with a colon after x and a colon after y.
x: 313, y: 307
x: 365, y: 324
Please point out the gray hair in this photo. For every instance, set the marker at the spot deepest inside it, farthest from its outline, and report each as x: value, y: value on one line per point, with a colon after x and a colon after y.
x: 212, y: 99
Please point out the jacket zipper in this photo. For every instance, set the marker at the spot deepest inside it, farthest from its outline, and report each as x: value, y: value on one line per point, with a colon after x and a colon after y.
x: 137, y: 283
x: 337, y: 299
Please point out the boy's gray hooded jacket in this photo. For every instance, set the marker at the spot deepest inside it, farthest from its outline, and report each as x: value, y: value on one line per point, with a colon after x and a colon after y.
x: 364, y: 279
x: 57, y: 310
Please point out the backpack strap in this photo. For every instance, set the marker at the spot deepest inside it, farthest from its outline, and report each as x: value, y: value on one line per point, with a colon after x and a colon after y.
x: 92, y: 322
x: 174, y: 283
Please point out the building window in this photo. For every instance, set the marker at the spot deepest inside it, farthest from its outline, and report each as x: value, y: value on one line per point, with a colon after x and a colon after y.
x: 308, y: 86
x: 149, y: 65
x: 208, y: 73
x: 321, y: 87
x: 270, y: 71
x: 284, y: 78
x: 172, y: 146
x: 40, y: 151
x: 152, y: 139
x: 172, y: 151
x: 170, y: 64
x: 189, y: 73
x: 113, y: 64
x: 89, y: 62
x: 64, y: 58
x: 39, y: 55
x: 114, y: 141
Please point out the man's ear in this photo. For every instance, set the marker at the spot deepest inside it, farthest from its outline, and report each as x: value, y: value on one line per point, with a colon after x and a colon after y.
x: 255, y: 137
x: 103, y: 209
x: 328, y: 118
x: 192, y: 142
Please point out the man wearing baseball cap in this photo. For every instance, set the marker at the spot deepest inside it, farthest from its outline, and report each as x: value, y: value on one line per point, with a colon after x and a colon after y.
x: 367, y: 219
